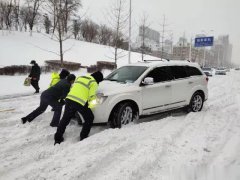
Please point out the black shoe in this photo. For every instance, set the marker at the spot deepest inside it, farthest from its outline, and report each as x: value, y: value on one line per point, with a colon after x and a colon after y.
x: 58, y: 139
x: 82, y: 138
x: 24, y: 120
x: 53, y: 124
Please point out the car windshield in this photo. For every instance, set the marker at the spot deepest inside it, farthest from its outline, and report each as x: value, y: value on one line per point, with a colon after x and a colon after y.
x: 126, y: 74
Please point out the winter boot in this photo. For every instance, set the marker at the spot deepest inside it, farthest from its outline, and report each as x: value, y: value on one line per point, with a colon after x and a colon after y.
x: 58, y: 139
x: 52, y: 124
x: 24, y: 120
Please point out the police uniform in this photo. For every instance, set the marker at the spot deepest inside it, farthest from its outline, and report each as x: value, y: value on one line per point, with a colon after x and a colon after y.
x: 80, y: 98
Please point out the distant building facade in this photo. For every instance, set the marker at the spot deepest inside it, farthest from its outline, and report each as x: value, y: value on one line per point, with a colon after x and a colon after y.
x: 150, y: 37
x: 219, y: 55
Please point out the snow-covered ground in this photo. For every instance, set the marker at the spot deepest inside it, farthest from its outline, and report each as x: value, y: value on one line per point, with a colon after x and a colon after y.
x: 18, y: 48
x: 12, y: 86
x: 171, y: 146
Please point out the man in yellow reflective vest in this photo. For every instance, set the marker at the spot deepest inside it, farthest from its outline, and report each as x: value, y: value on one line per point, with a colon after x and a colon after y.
x: 81, y: 98
x: 57, y: 77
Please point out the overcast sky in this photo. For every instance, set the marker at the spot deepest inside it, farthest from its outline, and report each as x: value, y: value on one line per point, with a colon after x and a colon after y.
x: 215, y: 17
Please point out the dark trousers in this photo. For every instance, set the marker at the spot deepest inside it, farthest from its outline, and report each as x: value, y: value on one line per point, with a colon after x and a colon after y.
x: 71, y: 107
x: 34, y: 83
x: 44, y: 102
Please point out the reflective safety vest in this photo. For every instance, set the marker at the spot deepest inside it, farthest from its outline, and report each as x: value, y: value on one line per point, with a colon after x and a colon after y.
x: 84, y: 90
x: 55, y: 79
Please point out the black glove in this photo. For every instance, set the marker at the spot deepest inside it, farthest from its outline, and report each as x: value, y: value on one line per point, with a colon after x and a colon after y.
x: 62, y: 102
x: 58, y: 139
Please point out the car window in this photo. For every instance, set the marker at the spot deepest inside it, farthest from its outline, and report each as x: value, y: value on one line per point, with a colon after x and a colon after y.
x: 193, y: 71
x: 126, y: 74
x: 179, y: 72
x: 160, y: 74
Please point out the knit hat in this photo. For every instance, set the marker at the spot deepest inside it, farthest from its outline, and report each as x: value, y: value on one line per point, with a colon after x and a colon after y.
x: 71, y: 77
x: 64, y: 73
x: 98, y: 76
x: 33, y: 62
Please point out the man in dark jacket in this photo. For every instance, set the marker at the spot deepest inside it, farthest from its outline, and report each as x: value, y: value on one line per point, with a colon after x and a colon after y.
x: 35, y: 75
x: 51, y: 97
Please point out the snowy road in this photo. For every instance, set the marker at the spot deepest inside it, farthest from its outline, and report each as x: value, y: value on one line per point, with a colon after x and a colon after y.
x: 178, y: 146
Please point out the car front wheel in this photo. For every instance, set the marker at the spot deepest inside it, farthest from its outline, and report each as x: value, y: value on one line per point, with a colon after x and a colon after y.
x: 123, y: 114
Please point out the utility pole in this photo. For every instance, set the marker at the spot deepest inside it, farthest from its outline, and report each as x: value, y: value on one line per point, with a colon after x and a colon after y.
x: 190, y: 50
x: 171, y: 39
x: 163, y: 31
x: 183, y: 45
x: 204, y: 54
x: 130, y: 29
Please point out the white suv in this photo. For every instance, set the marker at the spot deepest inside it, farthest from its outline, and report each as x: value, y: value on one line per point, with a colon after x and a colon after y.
x: 150, y: 87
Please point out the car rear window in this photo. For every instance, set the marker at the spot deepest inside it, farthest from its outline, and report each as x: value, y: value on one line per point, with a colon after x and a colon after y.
x: 178, y: 72
x: 193, y: 71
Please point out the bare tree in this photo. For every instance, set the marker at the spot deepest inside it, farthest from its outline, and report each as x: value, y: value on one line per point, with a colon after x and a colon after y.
x: 16, y: 8
x: 163, y: 34
x: 47, y: 23
x: 51, y: 7
x: 61, y: 11
x: 70, y: 7
x: 23, y: 18
x: 33, y: 8
x: 2, y: 10
x: 6, y: 11
x: 89, y: 30
x: 144, y: 27
x: 104, y: 35
x: 118, y: 19
x: 76, y: 27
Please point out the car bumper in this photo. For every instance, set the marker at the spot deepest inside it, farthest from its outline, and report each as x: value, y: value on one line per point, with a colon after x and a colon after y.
x: 102, y: 112
x: 99, y: 115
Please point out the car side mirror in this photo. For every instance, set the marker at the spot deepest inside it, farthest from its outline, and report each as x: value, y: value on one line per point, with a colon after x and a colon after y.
x: 148, y: 81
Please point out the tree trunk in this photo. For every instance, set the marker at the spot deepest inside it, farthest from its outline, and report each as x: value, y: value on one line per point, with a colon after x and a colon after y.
x: 115, y: 55
x: 61, y: 53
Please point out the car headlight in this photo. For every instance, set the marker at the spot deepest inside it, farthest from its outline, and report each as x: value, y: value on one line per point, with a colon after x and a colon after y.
x: 100, y: 98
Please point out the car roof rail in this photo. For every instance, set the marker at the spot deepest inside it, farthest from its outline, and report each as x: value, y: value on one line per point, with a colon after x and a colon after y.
x: 151, y: 60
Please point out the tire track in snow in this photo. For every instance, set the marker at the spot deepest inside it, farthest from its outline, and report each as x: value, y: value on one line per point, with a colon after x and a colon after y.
x: 103, y: 160
x: 134, y: 158
x: 221, y: 128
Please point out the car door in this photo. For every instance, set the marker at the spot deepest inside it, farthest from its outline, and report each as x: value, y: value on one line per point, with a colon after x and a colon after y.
x: 157, y: 96
x: 180, y: 89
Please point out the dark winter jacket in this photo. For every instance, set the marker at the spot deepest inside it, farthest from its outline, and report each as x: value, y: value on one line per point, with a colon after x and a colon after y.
x: 58, y: 91
x: 35, y: 72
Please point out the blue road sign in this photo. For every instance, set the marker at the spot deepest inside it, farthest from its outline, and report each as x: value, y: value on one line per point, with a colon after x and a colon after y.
x: 204, y: 41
